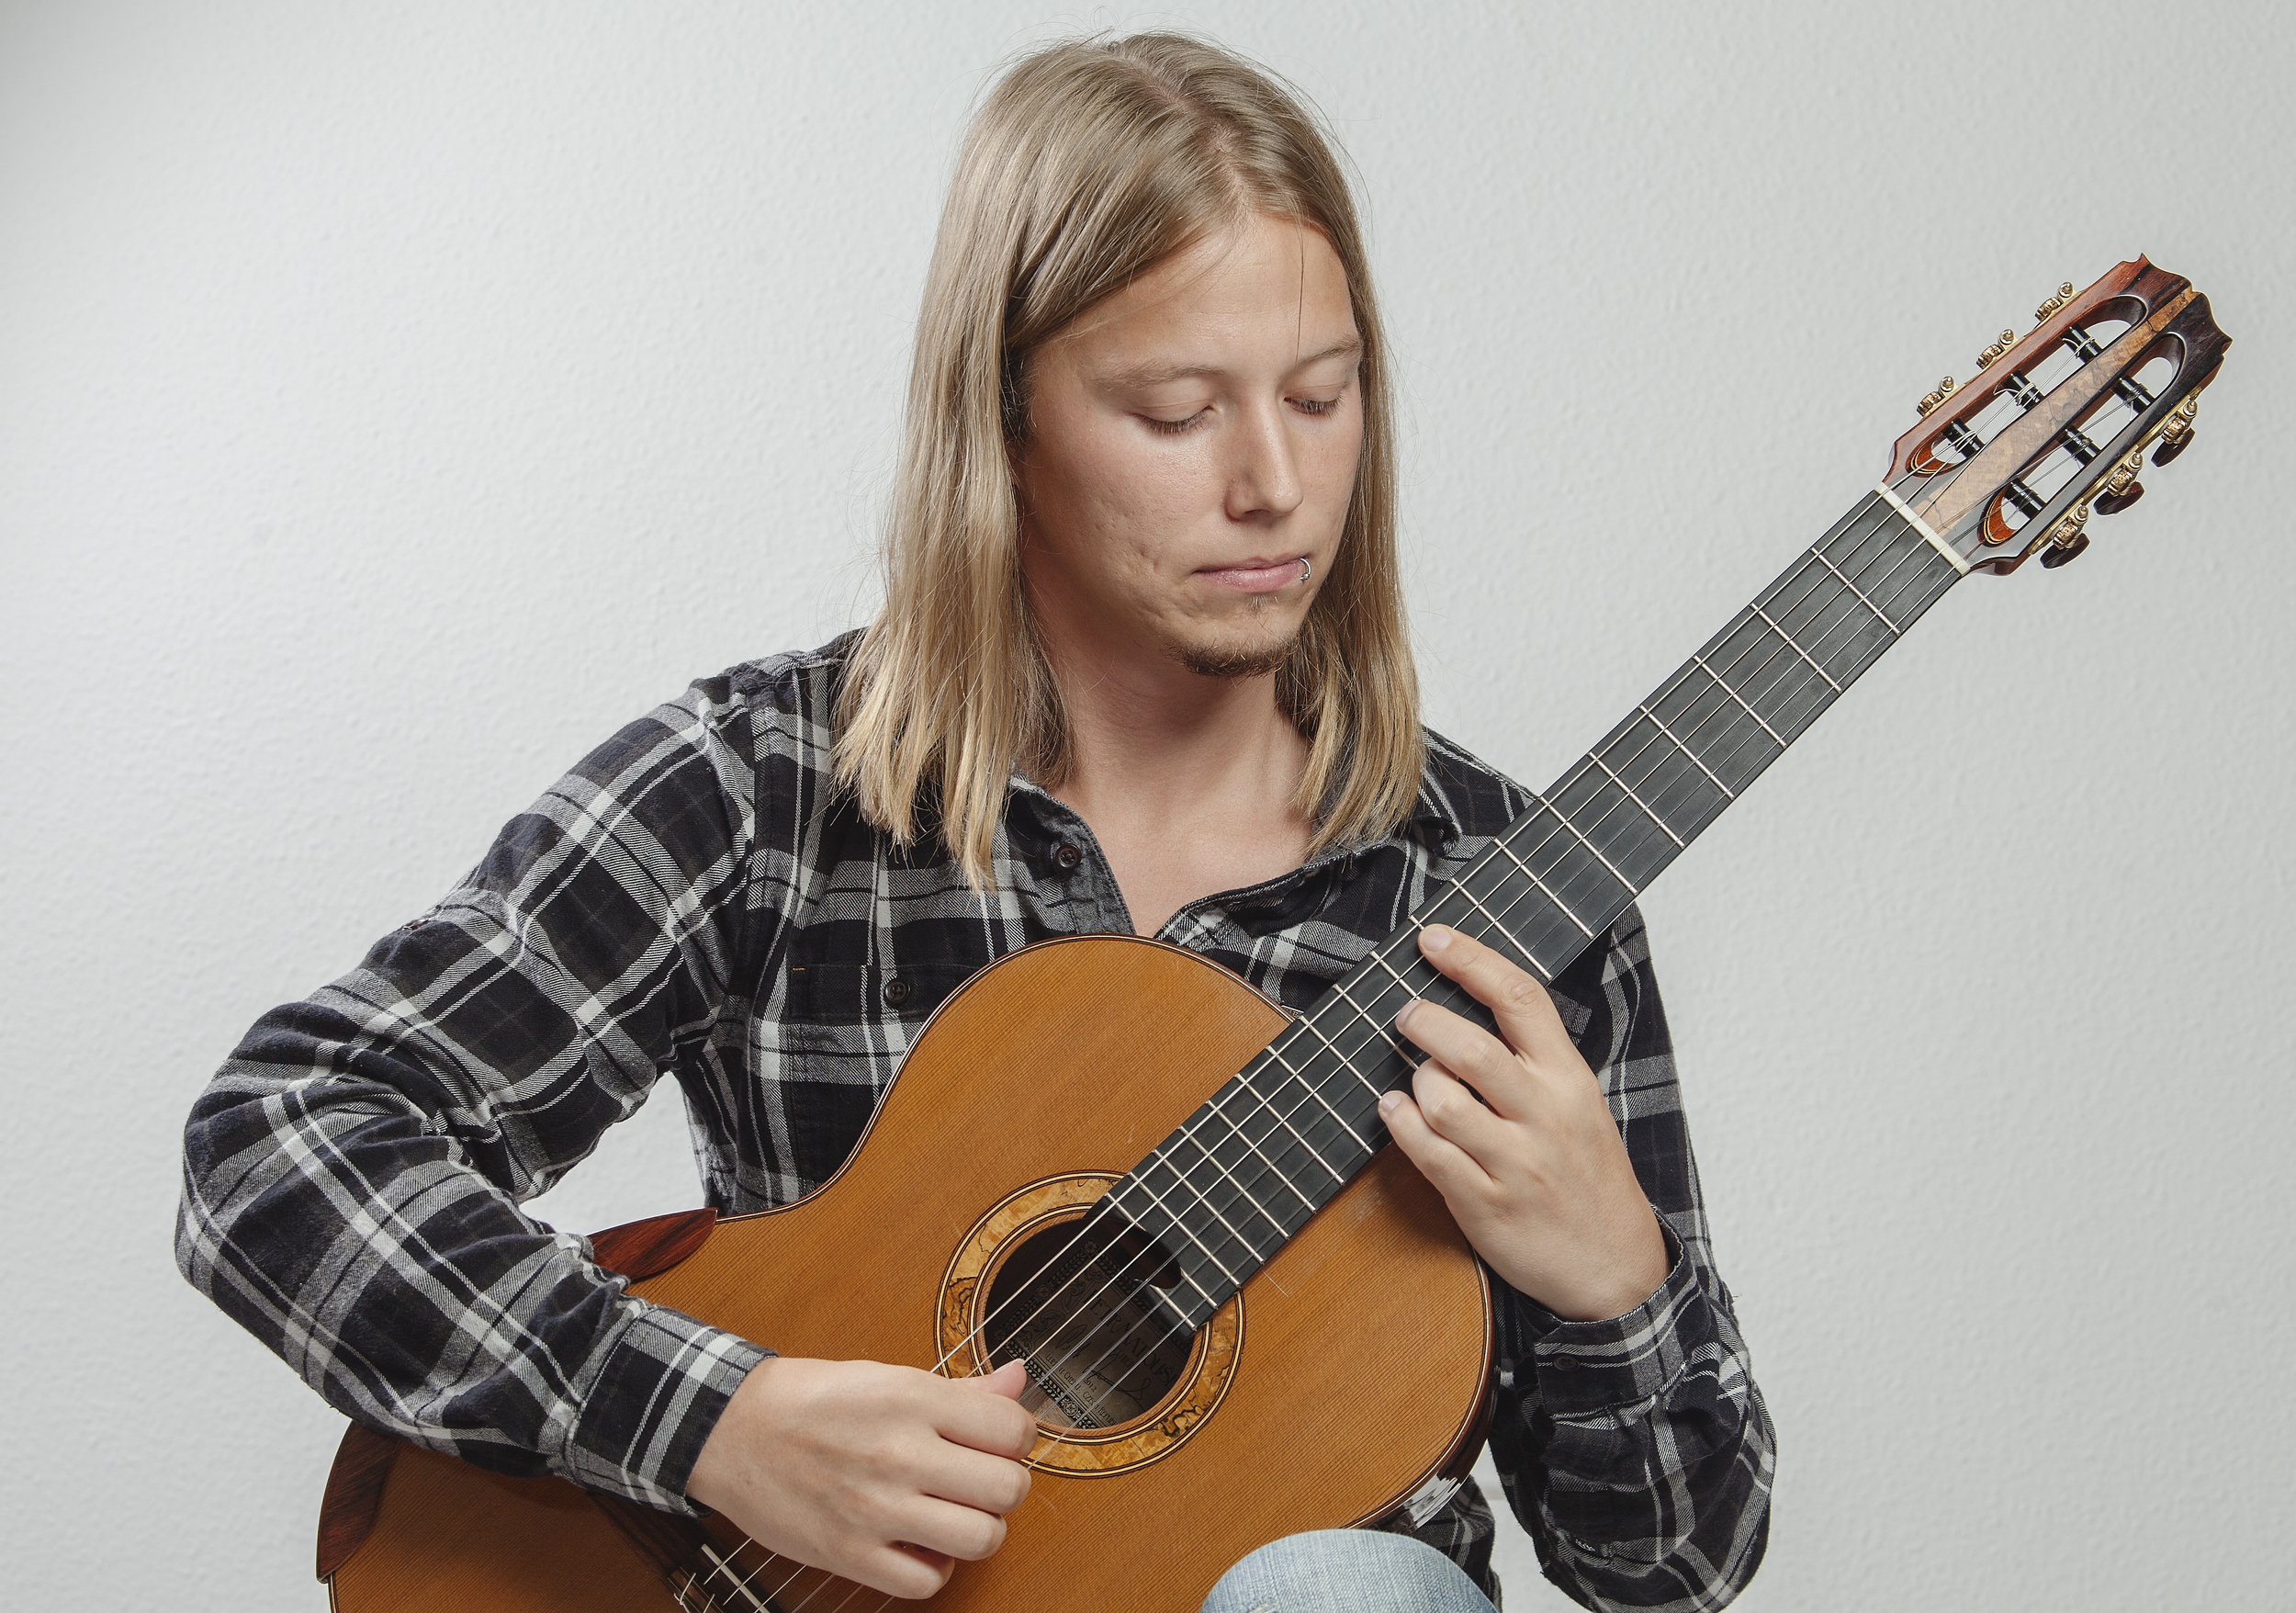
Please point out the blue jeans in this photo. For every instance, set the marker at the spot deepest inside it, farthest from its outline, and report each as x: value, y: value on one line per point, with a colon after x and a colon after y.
x: 1346, y: 1570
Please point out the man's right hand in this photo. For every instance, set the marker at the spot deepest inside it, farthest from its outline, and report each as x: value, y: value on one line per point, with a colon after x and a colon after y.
x: 885, y: 1475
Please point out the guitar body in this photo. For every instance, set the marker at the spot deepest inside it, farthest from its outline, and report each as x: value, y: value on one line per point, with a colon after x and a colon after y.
x: 1350, y: 1370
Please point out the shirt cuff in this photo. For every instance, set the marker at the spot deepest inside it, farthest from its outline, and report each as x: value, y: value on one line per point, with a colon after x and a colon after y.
x: 656, y: 1393
x: 1588, y: 1368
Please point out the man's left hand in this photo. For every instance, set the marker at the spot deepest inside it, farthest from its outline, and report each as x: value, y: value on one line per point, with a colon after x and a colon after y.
x: 1536, y: 1174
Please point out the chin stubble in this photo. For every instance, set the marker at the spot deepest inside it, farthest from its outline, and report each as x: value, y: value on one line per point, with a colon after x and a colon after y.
x: 1208, y: 662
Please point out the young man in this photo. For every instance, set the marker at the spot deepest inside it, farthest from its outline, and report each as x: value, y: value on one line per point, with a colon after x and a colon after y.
x: 1142, y: 667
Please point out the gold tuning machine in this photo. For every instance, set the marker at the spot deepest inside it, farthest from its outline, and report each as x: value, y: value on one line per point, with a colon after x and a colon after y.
x: 2175, y: 432
x: 1931, y: 399
x: 2066, y: 539
x: 2064, y: 296
x: 2000, y: 345
x: 2122, y: 487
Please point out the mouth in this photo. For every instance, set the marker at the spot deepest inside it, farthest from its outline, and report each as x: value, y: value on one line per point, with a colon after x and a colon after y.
x: 1255, y: 575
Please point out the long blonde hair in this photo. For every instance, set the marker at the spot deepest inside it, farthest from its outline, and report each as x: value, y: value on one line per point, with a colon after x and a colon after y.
x: 1090, y: 163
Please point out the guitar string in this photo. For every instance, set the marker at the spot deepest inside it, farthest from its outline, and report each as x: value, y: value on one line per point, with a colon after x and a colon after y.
x: 1485, y: 859
x: 1854, y: 540
x: 1308, y: 1023
x: 1346, y: 1054
x: 1894, y: 631
x: 776, y: 1593
x: 1805, y: 685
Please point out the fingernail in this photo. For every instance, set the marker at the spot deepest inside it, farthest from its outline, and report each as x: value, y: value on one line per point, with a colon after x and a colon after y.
x: 1389, y: 1103
x: 1435, y: 938
x: 1403, y: 1014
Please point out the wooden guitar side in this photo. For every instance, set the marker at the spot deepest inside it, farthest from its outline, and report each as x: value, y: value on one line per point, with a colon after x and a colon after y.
x: 1363, y: 1366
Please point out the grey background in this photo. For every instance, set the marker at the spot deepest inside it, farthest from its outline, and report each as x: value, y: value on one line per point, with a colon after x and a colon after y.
x: 394, y: 400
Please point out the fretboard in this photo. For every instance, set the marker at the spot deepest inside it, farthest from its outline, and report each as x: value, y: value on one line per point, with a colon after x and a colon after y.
x: 1222, y: 1193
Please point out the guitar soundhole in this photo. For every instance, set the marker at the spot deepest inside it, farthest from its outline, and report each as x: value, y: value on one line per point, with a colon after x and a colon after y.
x: 1077, y: 1310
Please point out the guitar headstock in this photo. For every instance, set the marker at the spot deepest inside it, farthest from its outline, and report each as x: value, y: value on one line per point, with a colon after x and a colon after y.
x: 2056, y: 423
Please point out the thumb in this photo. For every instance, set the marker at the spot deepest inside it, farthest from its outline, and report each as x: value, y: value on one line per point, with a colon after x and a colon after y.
x: 1011, y: 1381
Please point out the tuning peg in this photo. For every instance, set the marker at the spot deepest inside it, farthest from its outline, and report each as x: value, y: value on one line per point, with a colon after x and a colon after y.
x: 2122, y: 487
x: 2000, y: 345
x: 2064, y: 296
x: 2057, y: 555
x: 2066, y: 540
x: 1931, y: 399
x: 2177, y: 435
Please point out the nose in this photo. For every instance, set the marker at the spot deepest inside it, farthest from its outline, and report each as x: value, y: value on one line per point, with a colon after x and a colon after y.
x: 1264, y: 473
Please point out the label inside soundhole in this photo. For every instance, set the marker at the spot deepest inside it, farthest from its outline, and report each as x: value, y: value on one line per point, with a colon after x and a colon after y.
x: 1080, y: 1314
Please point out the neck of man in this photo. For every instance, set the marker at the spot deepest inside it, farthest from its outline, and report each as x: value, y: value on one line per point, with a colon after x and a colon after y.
x: 1188, y: 780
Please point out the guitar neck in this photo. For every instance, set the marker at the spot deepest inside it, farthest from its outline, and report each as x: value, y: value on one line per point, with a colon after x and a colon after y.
x: 1224, y: 1192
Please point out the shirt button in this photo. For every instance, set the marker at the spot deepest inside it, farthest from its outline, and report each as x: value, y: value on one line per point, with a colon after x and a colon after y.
x: 1067, y: 856
x: 897, y: 991
x: 1563, y: 1364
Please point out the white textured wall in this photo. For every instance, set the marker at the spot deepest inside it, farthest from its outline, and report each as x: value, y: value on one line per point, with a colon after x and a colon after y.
x: 395, y: 399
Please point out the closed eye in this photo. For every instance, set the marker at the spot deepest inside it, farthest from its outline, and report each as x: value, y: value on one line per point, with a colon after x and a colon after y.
x: 1173, y: 428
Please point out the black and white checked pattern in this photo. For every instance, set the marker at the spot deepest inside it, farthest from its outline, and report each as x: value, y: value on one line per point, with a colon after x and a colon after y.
x: 695, y: 900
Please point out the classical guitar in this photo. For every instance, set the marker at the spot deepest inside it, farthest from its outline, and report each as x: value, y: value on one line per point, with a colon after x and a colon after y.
x: 1210, y: 1323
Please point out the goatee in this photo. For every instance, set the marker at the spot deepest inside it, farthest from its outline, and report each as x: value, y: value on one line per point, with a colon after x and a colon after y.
x: 1206, y: 661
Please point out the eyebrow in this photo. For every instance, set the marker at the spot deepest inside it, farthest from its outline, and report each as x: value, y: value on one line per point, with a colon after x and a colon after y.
x: 1152, y: 375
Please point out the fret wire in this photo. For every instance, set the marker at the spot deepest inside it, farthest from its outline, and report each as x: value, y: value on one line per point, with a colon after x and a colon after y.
x: 1638, y: 800
x: 1668, y: 782
x: 1219, y: 1107
x: 1879, y: 615
x: 1628, y: 884
x: 1853, y: 588
x: 1734, y: 694
x: 1438, y: 983
x: 1597, y: 810
x: 1681, y: 678
x: 1727, y: 793
x: 1500, y: 845
x: 1310, y: 1025
x: 1311, y: 1092
x: 1188, y: 1129
x: 1890, y: 547
x: 1376, y: 955
x: 1284, y: 1119
x: 1340, y: 989
x: 1680, y: 746
x: 1501, y: 928
x: 1500, y: 841
x: 1134, y: 1179
x: 1849, y: 584
x: 1900, y: 563
x: 1797, y: 648
x: 1830, y: 591
x: 1816, y: 584
x: 1204, y: 1199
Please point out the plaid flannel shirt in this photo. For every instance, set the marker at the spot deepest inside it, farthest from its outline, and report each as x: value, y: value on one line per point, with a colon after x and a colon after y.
x: 696, y: 899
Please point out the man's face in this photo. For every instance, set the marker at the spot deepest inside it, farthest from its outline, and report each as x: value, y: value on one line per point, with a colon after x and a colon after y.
x: 1192, y: 439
